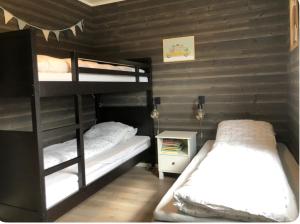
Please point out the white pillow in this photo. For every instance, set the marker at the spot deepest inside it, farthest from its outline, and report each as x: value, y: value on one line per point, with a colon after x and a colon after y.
x: 245, y: 132
x: 111, y: 131
x: 51, y: 64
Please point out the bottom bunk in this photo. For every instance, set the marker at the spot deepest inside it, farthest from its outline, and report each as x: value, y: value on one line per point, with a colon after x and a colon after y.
x: 111, y: 149
x: 65, y: 183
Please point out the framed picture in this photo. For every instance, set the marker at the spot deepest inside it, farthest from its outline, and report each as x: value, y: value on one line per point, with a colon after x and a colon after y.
x: 179, y: 49
x: 294, y: 24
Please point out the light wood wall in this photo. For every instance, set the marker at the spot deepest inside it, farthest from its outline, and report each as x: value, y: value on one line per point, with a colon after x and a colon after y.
x: 241, y: 57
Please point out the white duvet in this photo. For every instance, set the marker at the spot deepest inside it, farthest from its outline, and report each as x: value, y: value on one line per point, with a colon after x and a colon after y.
x: 241, y: 178
x: 100, y: 138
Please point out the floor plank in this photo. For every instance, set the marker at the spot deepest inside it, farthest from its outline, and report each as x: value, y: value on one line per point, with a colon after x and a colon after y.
x: 130, y: 198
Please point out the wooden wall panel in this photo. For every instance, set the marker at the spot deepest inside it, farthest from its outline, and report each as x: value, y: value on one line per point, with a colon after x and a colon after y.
x: 52, y: 14
x: 293, y: 108
x: 241, y: 57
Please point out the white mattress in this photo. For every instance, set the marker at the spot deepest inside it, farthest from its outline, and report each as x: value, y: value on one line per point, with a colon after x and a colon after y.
x: 65, y: 183
x: 51, y: 64
x: 166, y: 211
x: 85, y: 77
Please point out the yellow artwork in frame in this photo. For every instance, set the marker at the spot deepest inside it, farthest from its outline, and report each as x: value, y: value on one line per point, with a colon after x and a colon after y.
x: 179, y: 49
x: 294, y: 24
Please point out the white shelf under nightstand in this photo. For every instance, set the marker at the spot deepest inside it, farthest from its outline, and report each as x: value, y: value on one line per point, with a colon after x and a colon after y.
x: 175, y: 162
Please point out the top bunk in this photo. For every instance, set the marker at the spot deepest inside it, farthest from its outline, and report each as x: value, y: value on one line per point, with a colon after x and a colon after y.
x: 24, y: 72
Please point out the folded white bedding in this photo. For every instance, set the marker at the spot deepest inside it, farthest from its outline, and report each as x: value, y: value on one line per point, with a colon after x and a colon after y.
x: 241, y: 178
x: 58, y: 153
x: 100, y: 138
x: 53, y: 65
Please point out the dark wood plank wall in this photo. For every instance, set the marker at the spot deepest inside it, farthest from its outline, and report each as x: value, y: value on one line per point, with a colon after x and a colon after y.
x: 49, y: 14
x: 53, y: 14
x: 293, y: 109
x: 241, y: 57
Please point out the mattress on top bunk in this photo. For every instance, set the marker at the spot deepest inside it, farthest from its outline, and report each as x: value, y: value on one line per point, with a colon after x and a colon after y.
x: 47, y: 64
x: 65, y: 183
x: 85, y: 77
x: 166, y: 210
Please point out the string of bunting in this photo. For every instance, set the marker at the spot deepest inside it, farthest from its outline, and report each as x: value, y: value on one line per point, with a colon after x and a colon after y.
x: 46, y: 32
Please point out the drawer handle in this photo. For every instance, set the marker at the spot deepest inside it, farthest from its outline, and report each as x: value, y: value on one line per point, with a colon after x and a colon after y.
x: 173, y: 163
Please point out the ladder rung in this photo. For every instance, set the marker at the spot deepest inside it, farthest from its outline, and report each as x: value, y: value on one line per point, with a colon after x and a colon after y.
x: 74, y: 126
x: 61, y: 166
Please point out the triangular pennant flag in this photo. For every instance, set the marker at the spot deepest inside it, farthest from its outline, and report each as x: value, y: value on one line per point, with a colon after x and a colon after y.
x: 56, y: 32
x: 46, y: 34
x: 73, y: 28
x: 7, y: 16
x: 80, y: 25
x: 21, y: 24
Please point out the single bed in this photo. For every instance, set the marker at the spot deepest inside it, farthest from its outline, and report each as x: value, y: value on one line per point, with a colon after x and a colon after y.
x: 243, y: 175
x: 166, y: 211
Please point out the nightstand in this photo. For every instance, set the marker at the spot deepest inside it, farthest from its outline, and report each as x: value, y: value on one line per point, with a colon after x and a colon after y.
x: 175, y: 161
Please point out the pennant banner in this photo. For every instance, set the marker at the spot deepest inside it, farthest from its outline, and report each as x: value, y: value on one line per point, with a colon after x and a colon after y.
x: 73, y: 29
x: 7, y: 16
x: 22, y: 24
x: 80, y: 25
x: 56, y: 32
x: 46, y: 34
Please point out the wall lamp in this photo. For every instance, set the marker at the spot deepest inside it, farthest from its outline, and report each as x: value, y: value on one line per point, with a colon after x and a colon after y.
x: 155, y: 113
x: 200, y: 113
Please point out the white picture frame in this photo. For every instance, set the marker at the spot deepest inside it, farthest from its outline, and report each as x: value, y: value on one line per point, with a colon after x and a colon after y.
x: 179, y: 49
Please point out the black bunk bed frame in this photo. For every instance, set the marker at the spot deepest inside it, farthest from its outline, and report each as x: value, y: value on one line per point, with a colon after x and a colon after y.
x: 22, y: 174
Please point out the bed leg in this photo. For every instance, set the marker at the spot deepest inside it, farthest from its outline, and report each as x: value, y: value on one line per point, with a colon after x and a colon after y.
x: 161, y: 175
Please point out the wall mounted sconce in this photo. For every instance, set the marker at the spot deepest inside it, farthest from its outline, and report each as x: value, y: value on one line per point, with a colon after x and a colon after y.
x: 155, y: 113
x: 200, y: 113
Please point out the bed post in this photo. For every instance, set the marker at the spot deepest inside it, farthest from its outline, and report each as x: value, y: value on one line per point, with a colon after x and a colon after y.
x: 36, y: 126
x: 149, y: 94
x: 78, y: 120
x: 97, y: 111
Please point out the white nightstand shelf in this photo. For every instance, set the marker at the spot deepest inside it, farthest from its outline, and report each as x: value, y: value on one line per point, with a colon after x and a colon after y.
x: 175, y: 161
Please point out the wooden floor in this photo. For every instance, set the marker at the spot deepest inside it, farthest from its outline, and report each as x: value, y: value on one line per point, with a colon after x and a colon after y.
x: 130, y: 198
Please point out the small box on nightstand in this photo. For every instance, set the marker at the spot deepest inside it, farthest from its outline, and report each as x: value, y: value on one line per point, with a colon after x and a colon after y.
x: 175, y: 150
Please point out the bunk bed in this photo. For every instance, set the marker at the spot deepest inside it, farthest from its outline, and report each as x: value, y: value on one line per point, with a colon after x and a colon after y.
x: 27, y: 181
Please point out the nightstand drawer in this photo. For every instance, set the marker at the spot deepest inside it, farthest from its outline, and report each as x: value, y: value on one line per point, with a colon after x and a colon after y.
x: 172, y: 164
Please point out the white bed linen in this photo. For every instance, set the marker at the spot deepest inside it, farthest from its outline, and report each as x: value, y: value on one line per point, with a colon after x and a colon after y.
x: 65, y: 183
x: 85, y: 77
x: 58, y: 153
x: 241, y: 178
x: 166, y: 211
